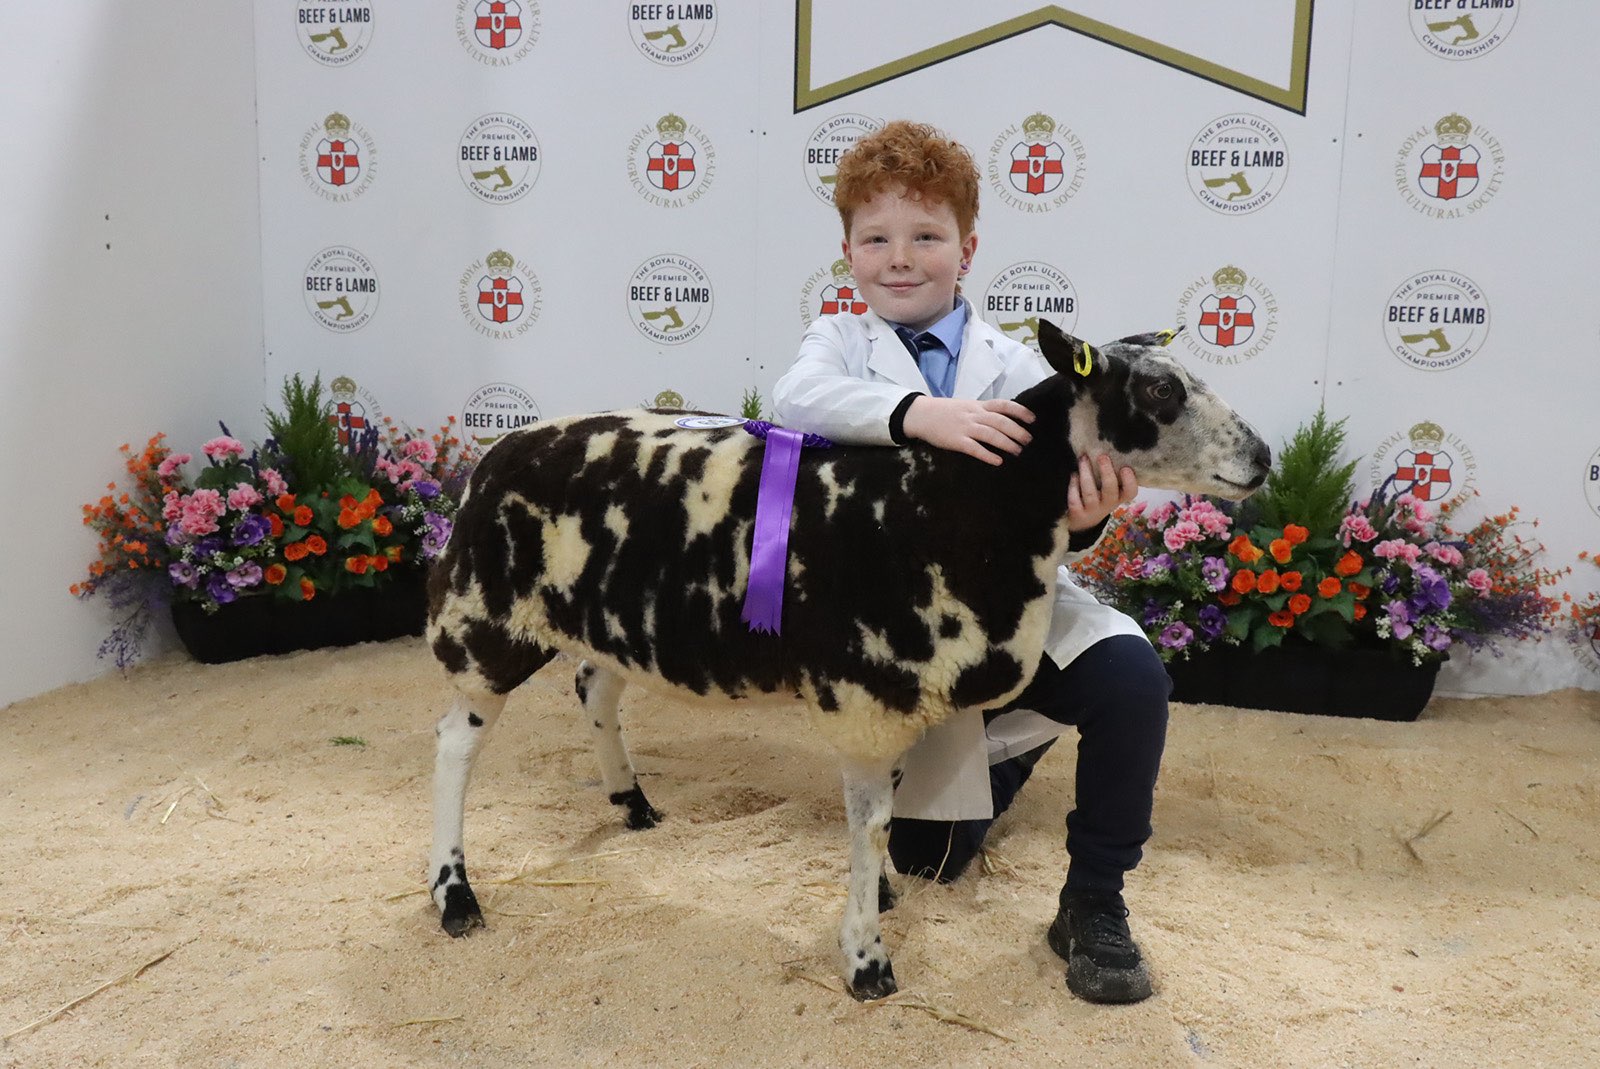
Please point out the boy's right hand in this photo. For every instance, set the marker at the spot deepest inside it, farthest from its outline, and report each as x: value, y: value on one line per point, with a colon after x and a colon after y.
x: 975, y: 428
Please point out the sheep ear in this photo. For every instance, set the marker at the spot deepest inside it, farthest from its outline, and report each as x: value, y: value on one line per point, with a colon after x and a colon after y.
x: 1156, y: 338
x: 1066, y: 354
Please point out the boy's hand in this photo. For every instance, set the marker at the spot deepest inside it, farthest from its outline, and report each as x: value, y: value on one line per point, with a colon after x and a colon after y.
x: 1095, y: 492
x: 969, y: 427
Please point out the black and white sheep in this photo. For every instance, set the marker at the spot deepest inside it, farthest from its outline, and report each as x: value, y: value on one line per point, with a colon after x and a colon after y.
x: 920, y: 582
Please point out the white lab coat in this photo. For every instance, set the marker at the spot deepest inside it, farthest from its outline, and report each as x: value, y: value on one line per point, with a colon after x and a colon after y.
x: 851, y: 374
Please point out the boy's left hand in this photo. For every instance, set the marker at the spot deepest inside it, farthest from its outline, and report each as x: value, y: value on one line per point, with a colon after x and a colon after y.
x: 1096, y: 490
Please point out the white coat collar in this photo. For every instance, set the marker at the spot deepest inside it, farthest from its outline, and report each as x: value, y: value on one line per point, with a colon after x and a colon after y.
x: 976, y: 370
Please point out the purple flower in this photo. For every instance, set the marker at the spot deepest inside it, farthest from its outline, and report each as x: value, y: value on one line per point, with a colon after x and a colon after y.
x: 434, y: 538
x: 1157, y: 566
x: 1213, y: 621
x: 1399, y: 618
x: 219, y: 589
x: 183, y: 574
x: 1177, y: 635
x: 1436, y: 638
x: 426, y: 489
x: 246, y: 575
x: 1215, y: 572
x: 1432, y: 590
x: 250, y: 530
x: 207, y: 546
x: 1153, y: 612
x: 1390, y: 584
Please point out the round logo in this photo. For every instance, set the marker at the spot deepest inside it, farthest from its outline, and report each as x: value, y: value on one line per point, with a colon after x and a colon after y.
x: 671, y: 163
x: 497, y: 32
x: 355, y: 411
x: 500, y: 296
x: 830, y: 291
x: 1591, y: 482
x: 1237, y: 164
x: 1436, y: 320
x: 1452, y: 33
x: 708, y: 423
x: 341, y: 289
x: 1036, y: 166
x: 1231, y: 317
x: 827, y: 143
x: 337, y: 159
x: 495, y: 410
x: 499, y: 158
x: 333, y: 34
x: 1451, y: 170
x: 1026, y: 292
x: 1427, y: 462
x: 669, y: 299
x: 672, y: 34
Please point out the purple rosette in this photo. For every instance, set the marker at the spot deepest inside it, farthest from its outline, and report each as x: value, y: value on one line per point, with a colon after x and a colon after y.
x: 769, y: 546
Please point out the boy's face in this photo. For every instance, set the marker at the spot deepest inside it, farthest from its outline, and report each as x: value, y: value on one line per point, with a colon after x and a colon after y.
x: 906, y: 255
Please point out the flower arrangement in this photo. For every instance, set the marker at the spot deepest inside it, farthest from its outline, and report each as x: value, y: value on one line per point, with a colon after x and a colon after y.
x: 301, y: 515
x: 1305, y: 564
x: 1584, y: 613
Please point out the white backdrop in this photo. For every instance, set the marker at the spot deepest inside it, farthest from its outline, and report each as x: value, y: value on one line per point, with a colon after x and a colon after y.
x: 1381, y: 209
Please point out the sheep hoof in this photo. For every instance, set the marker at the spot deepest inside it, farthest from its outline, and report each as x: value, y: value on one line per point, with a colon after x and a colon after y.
x: 461, y: 913
x: 873, y: 980
x: 641, y: 814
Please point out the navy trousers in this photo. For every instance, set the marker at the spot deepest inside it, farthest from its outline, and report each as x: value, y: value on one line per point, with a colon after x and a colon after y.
x: 1115, y: 693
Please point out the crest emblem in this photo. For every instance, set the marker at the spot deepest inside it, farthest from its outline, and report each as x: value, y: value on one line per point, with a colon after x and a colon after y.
x: 1450, y: 167
x: 1451, y: 171
x: 1227, y: 316
x: 841, y: 296
x: 500, y: 290
x: 1037, y: 166
x: 500, y: 296
x: 497, y: 24
x: 350, y: 416
x: 338, y: 157
x: 1424, y: 471
x: 671, y: 165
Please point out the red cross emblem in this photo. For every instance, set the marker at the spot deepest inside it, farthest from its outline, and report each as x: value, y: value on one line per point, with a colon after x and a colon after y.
x: 1227, y: 321
x: 500, y: 299
x: 671, y: 165
x: 338, y: 162
x: 837, y: 299
x: 499, y: 23
x: 1036, y: 169
x: 1426, y: 474
x: 349, y: 418
x: 1448, y: 173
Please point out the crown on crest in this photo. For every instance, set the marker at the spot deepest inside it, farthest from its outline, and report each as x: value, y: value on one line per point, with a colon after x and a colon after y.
x: 1453, y: 129
x: 500, y: 262
x: 1229, y: 280
x: 343, y: 388
x: 840, y: 270
x: 669, y: 399
x: 336, y: 125
x: 1426, y: 434
x: 1038, y: 127
x: 671, y: 127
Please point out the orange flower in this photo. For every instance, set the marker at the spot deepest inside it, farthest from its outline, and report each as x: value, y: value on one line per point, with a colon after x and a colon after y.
x: 1294, y: 534
x: 295, y: 551
x: 347, y: 502
x: 285, y: 502
x: 393, y: 553
x: 356, y: 564
x: 1291, y: 581
x: 303, y: 516
x: 1361, y: 611
x: 1349, y: 564
x: 373, y: 498
x: 276, y: 525
x: 1240, y: 547
x: 1329, y: 587
x: 1281, y: 618
x: 317, y: 544
x: 1299, y: 603
x: 1360, y: 590
x: 381, y: 526
x: 379, y: 562
x: 348, y: 518
x: 1281, y: 550
x: 1229, y: 598
x: 308, y: 590
x: 1244, y: 581
x: 1267, y: 582
x: 276, y: 574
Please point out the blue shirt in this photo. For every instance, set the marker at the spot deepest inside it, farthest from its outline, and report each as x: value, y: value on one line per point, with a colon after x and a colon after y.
x: 938, y: 362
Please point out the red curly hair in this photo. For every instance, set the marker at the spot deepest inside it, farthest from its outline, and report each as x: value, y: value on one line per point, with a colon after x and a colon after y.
x: 912, y: 156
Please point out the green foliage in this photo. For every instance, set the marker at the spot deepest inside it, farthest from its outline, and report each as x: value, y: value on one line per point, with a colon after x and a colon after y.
x: 1309, y: 486
x: 750, y: 404
x: 308, y: 442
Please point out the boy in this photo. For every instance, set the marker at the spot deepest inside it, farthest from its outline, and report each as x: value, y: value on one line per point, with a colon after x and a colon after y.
x: 922, y: 365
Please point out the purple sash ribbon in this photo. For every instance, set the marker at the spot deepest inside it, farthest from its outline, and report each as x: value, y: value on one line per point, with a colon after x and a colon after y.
x: 769, y: 545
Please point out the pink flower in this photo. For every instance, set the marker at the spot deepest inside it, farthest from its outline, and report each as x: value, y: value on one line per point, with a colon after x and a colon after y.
x: 1137, y: 508
x: 276, y: 486
x: 243, y: 496
x: 1447, y: 555
x: 1128, y: 567
x: 1162, y: 513
x: 223, y: 447
x: 1478, y: 580
x: 172, y: 464
x: 1358, y: 527
x: 1397, y: 549
x: 199, y: 512
x: 1181, y: 534
x: 419, y: 449
x: 1211, y: 519
x: 171, y: 506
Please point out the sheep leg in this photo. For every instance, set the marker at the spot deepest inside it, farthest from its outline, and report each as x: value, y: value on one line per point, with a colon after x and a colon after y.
x: 868, y: 801
x: 460, y: 733
x: 600, y: 692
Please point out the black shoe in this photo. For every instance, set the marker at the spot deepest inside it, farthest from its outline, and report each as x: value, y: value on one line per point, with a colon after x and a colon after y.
x: 1103, y: 963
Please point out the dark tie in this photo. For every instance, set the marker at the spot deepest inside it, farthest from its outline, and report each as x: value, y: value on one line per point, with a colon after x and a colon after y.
x: 932, y: 357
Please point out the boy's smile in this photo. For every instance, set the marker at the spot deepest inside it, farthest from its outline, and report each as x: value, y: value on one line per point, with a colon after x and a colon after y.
x: 907, y: 255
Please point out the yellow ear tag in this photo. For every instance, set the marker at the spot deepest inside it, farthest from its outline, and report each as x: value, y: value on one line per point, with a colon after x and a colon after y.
x: 1083, y: 363
x: 1167, y: 336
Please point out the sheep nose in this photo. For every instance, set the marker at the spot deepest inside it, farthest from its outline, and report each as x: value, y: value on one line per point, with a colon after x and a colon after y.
x: 1263, y: 456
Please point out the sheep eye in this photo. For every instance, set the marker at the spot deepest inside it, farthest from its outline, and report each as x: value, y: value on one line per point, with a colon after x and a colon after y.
x: 1161, y: 391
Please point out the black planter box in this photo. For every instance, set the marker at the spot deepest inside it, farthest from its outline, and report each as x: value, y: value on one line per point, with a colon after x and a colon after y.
x: 1300, y: 678
x: 262, y: 624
